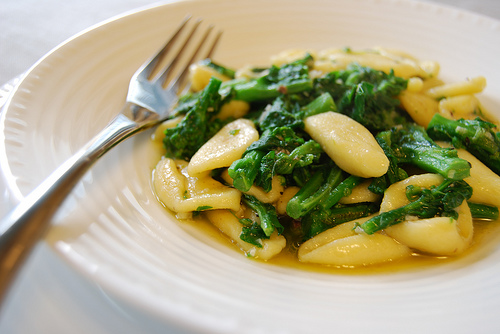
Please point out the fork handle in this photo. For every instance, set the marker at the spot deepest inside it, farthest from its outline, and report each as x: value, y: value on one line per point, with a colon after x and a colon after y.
x: 22, y: 227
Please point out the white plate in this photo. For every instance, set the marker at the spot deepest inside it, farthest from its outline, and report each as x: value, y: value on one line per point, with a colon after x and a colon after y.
x: 114, y: 231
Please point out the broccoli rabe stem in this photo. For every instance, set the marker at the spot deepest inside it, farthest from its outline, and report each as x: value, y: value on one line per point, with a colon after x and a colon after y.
x: 441, y: 200
x: 343, y: 189
x: 321, y: 104
x: 314, y: 191
x: 476, y: 136
x: 321, y: 219
x: 267, y: 214
x: 228, y: 72
x: 245, y: 170
x: 411, y: 144
x: 483, y: 211
x: 289, y: 79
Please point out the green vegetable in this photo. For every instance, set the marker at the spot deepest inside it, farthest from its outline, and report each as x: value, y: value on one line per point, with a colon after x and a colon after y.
x: 424, y: 203
x: 321, y: 219
x: 301, y: 156
x: 317, y: 189
x: 245, y: 170
x: 476, y: 136
x: 281, y: 112
x: 275, y: 148
x: 410, y: 144
x: 197, y: 127
x: 343, y: 189
x: 287, y: 79
x: 483, y: 211
x: 203, y: 207
x: 228, y: 72
x: 321, y: 104
x: 252, y: 232
x: 366, y: 95
x: 267, y: 215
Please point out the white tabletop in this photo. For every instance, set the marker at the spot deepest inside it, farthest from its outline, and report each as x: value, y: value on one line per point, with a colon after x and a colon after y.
x: 49, y: 297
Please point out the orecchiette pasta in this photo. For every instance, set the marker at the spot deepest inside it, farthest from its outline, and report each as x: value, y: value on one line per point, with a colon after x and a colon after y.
x: 461, y: 106
x: 471, y: 86
x: 182, y: 193
x: 200, y: 76
x: 438, y: 235
x: 286, y: 195
x: 344, y: 246
x: 228, y: 224
x: 225, y: 147
x: 419, y: 106
x: 360, y: 194
x: 233, y: 109
x: 350, y: 145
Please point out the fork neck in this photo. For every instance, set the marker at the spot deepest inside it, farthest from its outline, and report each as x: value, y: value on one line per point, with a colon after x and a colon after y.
x: 139, y: 114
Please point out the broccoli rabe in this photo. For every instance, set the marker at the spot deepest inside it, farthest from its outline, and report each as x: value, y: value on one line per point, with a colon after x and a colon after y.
x: 285, y: 111
x: 319, y: 186
x: 301, y: 156
x: 321, y: 219
x: 252, y: 232
x: 441, y: 200
x: 275, y: 149
x: 483, y: 211
x: 281, y: 112
x: 410, y: 144
x: 366, y: 95
x: 394, y: 173
x: 476, y: 136
x: 317, y: 202
x: 287, y: 79
x: 321, y: 104
x: 266, y: 213
x: 228, y: 72
x: 197, y: 126
x: 244, y: 171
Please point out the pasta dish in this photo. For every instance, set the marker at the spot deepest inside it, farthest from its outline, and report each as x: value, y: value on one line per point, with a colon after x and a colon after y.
x: 345, y: 158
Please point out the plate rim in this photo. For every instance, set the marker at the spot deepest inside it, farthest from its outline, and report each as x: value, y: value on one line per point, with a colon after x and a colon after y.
x: 27, y: 74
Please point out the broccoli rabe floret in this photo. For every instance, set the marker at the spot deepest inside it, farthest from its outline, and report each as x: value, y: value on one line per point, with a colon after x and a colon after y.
x: 197, y: 127
x: 261, y: 160
x: 366, y: 95
x: 266, y: 213
x: 476, y: 136
x: 411, y: 144
x: 301, y: 156
x: 281, y: 112
x: 441, y: 200
x: 284, y: 111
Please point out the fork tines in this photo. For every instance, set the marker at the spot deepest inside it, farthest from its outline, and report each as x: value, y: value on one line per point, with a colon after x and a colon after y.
x: 193, y: 46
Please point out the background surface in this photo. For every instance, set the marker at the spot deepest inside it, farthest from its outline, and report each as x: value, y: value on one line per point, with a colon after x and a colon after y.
x: 49, y: 297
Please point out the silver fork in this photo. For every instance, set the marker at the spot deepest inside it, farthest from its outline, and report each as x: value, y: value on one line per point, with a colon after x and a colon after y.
x: 147, y: 104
